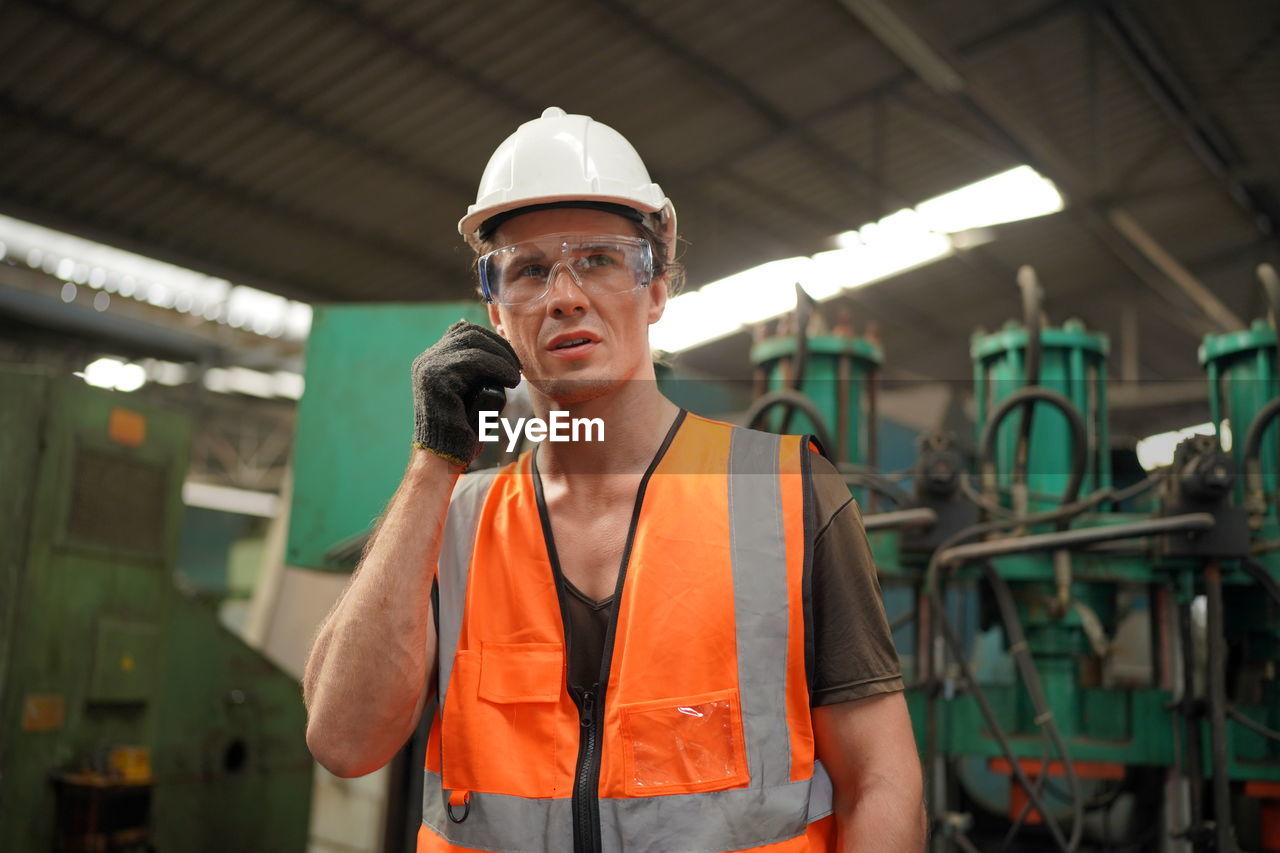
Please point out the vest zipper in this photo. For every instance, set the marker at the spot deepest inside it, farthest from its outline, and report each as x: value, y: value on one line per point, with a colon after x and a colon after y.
x: 587, y: 776
x: 586, y: 781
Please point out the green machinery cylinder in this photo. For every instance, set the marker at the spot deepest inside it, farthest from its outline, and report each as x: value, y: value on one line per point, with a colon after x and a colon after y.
x: 1241, y: 368
x: 838, y: 380
x: 1073, y: 362
x: 1242, y: 372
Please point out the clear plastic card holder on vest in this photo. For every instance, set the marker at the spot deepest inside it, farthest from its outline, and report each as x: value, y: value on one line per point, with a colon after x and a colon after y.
x: 684, y: 745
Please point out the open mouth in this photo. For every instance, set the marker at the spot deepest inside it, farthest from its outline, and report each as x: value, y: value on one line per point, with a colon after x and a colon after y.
x: 572, y: 342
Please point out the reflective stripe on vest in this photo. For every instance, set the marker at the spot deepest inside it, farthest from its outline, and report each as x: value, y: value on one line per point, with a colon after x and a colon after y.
x: 723, y: 519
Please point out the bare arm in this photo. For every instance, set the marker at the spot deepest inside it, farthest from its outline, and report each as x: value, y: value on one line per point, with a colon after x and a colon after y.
x: 869, y: 750
x: 365, y: 677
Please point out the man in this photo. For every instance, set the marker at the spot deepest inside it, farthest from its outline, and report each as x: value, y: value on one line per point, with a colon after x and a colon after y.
x: 668, y: 639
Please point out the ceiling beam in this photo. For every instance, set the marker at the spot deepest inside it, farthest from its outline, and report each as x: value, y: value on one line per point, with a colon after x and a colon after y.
x: 129, y: 153
x: 983, y: 98
x: 1207, y: 139
x: 315, y: 124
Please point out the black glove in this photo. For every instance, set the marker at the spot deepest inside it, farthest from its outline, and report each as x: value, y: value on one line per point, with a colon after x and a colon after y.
x: 445, y: 379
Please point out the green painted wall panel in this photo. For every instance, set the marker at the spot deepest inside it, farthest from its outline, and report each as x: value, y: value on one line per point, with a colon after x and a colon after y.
x: 355, y: 420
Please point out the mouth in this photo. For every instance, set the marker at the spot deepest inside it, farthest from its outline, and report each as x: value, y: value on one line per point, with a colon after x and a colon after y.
x: 572, y: 342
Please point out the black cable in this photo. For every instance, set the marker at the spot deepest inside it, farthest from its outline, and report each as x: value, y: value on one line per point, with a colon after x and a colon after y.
x: 792, y: 399
x: 1250, y: 723
x: 800, y: 360
x: 1190, y: 721
x: 1031, y: 681
x: 901, y: 621
x: 933, y: 596
x: 1224, y: 835
x: 1032, y: 319
x: 1264, y: 579
x: 993, y: 725
x: 1079, y: 435
x: 1252, y: 444
x: 1155, y: 478
x: 982, y: 501
x: 861, y: 475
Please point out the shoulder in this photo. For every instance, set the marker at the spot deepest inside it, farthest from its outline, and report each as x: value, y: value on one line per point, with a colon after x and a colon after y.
x: 473, y: 486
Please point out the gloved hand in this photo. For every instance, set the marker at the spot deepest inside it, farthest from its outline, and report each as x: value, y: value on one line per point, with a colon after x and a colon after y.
x: 445, y: 377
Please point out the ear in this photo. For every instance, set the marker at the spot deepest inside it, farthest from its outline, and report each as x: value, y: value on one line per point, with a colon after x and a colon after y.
x: 658, y: 295
x: 495, y: 319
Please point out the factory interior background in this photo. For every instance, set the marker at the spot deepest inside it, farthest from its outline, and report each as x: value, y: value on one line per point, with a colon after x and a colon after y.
x: 227, y: 227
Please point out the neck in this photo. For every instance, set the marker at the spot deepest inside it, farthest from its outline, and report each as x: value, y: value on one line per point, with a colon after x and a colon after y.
x: 636, y: 419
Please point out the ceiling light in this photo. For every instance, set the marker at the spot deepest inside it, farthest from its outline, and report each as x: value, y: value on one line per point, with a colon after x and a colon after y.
x: 114, y: 374
x: 1020, y: 193
x: 901, y: 241
x: 75, y: 259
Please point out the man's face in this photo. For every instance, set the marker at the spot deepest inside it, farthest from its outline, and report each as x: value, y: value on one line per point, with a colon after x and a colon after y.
x: 616, y: 324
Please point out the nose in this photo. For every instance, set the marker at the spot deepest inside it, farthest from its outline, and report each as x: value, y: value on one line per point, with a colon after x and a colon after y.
x: 564, y: 294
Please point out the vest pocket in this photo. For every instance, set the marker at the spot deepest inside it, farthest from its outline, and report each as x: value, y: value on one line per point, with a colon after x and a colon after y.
x: 499, y: 726
x: 673, y: 746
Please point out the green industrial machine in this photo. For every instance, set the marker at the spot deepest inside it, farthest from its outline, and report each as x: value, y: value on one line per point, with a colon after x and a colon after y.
x: 129, y: 717
x: 1244, y: 398
x: 836, y: 374
x: 1030, y: 696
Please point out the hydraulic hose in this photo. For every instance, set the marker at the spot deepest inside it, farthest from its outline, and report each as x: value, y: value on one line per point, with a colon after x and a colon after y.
x: 1252, y: 447
x: 933, y: 592
x: 1250, y: 723
x: 799, y: 361
x: 792, y: 400
x: 1035, y: 690
x: 915, y: 517
x: 1032, y: 319
x: 993, y: 725
x: 1263, y: 578
x: 861, y: 475
x: 1224, y: 836
x: 1271, y: 285
x: 1195, y: 770
x: 1028, y: 396
x: 1079, y: 537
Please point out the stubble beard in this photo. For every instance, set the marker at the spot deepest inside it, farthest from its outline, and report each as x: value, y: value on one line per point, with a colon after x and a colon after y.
x: 572, y: 391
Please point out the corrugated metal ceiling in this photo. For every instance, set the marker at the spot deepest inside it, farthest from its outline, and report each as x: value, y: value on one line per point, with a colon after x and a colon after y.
x: 326, y: 148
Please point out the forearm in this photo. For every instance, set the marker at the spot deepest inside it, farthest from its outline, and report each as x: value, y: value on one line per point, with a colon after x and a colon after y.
x: 365, y: 677
x: 884, y: 817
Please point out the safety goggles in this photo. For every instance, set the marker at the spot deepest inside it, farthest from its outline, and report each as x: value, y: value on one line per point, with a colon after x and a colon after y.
x: 598, y: 263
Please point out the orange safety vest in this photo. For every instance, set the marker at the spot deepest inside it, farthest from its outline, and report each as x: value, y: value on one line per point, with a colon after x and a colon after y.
x: 700, y: 737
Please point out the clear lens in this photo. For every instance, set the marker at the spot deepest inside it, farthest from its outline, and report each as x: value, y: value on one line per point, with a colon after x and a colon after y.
x: 521, y: 272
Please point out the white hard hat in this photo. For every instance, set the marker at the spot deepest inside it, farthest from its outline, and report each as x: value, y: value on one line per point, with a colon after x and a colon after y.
x: 566, y: 158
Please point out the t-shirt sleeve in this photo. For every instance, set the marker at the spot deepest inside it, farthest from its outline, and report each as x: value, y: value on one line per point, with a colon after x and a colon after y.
x: 854, y: 656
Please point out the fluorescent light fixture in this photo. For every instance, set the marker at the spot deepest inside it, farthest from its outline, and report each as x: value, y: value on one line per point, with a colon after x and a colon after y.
x: 725, y: 306
x: 255, y: 383
x: 901, y: 241
x: 114, y: 374
x: 1156, y: 451
x: 76, y: 260
x: 227, y: 499
x: 1021, y: 193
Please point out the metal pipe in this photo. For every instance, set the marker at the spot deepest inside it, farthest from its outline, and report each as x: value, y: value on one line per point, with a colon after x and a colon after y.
x: 1074, y: 538
x: 1256, y: 496
x: 1195, y: 749
x: 1224, y: 836
x: 902, y: 518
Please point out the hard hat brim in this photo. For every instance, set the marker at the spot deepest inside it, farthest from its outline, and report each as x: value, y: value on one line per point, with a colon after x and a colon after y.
x: 469, y: 225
